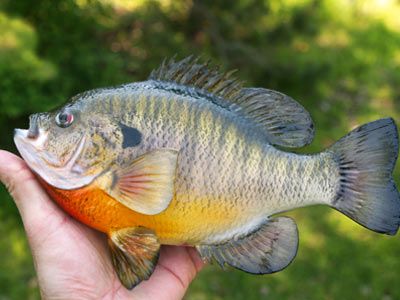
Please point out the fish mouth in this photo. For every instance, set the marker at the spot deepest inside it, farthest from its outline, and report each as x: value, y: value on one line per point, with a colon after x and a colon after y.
x: 28, y: 145
x: 67, y: 175
x: 33, y: 131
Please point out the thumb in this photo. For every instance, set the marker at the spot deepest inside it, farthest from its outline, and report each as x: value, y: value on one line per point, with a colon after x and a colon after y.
x: 37, y: 211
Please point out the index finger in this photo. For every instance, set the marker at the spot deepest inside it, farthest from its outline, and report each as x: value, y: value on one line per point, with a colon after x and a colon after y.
x: 37, y: 210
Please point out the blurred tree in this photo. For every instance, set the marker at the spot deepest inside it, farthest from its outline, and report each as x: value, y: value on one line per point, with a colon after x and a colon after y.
x: 340, y: 59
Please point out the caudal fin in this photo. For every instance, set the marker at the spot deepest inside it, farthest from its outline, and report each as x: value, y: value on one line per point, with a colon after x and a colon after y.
x: 367, y: 193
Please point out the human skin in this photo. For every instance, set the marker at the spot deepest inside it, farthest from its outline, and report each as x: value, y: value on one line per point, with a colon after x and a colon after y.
x: 72, y: 261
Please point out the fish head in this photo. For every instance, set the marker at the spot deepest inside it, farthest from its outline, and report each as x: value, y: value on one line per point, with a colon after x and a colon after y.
x: 70, y: 147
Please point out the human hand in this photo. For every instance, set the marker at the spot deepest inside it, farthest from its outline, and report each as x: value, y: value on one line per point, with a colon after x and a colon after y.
x: 72, y: 261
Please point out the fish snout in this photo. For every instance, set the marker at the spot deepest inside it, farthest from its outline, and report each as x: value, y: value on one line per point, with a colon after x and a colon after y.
x: 33, y: 131
x: 20, y: 133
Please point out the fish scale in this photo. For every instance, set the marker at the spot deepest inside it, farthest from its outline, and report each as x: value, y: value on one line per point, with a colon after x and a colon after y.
x: 255, y: 161
x: 263, y: 181
x: 192, y: 157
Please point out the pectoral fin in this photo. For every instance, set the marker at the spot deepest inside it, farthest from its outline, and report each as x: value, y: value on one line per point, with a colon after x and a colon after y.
x: 269, y: 249
x: 147, y: 184
x: 134, y: 253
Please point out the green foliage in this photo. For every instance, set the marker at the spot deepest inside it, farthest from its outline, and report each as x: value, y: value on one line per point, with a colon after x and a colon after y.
x: 20, y: 66
x: 340, y: 59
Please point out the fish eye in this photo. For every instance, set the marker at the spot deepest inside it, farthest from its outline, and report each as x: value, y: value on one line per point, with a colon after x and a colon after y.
x: 64, y: 119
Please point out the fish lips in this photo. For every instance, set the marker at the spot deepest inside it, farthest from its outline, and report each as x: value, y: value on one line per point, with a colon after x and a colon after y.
x: 33, y: 131
x: 29, y: 147
x: 65, y: 176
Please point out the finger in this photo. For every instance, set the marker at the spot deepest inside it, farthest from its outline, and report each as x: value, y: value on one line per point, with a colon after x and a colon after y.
x: 172, y: 259
x: 37, y: 211
x: 177, y: 267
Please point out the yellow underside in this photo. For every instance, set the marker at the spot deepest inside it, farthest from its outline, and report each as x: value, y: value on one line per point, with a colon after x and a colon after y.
x: 181, y: 223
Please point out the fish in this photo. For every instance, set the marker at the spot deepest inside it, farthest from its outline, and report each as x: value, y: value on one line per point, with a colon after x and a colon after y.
x: 193, y: 157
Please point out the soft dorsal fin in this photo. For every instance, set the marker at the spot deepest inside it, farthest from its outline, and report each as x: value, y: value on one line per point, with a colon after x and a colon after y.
x: 284, y: 120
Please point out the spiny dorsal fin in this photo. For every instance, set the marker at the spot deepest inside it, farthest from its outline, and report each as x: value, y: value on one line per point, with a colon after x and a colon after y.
x: 191, y: 73
x: 269, y: 249
x: 284, y: 120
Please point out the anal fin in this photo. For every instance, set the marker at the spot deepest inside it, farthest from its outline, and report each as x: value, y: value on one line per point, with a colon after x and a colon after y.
x: 269, y: 249
x: 134, y: 253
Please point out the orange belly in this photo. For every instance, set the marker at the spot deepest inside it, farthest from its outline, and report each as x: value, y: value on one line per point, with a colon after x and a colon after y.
x: 176, y: 225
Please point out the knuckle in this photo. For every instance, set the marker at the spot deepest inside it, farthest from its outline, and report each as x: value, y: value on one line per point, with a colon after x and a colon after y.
x: 10, y: 186
x: 15, y: 178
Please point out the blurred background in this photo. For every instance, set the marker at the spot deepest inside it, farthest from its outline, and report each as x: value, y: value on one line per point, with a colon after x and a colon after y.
x: 338, y: 58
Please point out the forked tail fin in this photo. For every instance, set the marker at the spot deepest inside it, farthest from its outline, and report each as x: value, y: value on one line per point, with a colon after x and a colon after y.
x: 366, y: 158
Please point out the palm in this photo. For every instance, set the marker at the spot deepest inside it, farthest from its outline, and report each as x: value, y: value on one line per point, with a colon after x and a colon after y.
x: 72, y: 260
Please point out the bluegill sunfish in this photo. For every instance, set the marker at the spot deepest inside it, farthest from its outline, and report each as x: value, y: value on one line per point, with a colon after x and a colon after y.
x: 191, y: 157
